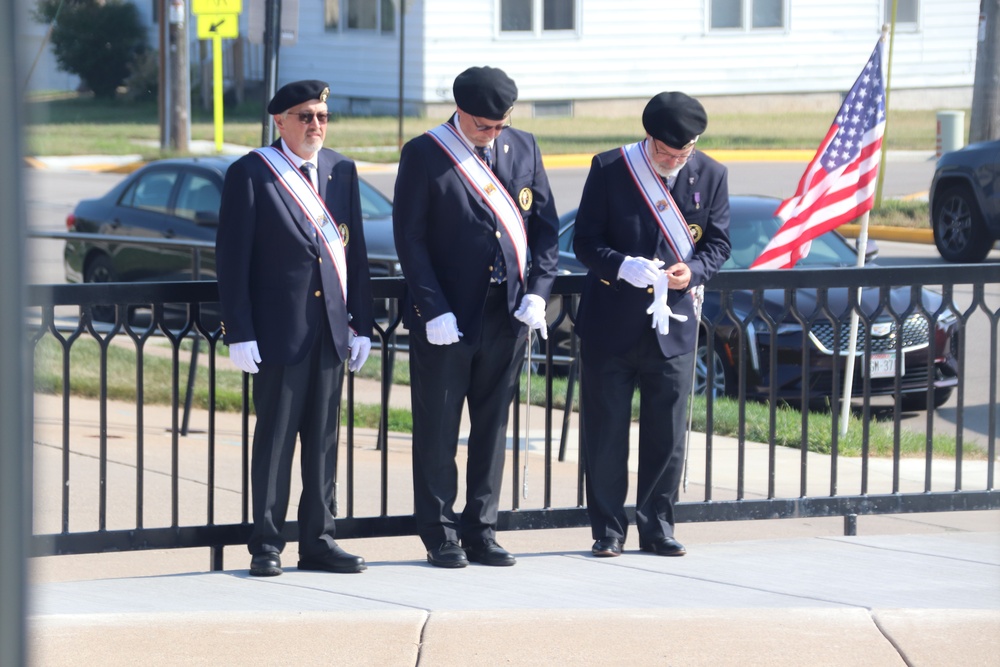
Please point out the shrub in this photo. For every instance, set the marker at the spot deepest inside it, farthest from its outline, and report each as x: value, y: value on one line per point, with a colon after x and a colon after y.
x: 98, y: 40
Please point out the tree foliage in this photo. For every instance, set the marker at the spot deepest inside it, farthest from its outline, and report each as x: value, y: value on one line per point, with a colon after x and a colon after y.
x: 98, y: 40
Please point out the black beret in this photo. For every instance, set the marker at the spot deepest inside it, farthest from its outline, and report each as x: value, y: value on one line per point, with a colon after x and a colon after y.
x: 675, y: 119
x: 486, y: 92
x: 297, y: 92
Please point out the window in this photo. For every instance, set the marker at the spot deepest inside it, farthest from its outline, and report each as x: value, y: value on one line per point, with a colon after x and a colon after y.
x: 197, y: 195
x: 151, y: 191
x: 368, y: 15
x: 528, y: 15
x: 734, y: 14
x: 907, y: 13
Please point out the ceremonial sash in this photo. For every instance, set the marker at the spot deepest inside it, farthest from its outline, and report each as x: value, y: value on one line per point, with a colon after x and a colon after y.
x: 309, y: 201
x: 657, y: 197
x: 483, y: 183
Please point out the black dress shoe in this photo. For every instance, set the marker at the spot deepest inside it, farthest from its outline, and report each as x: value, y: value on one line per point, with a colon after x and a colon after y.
x: 663, y: 546
x: 448, y: 554
x: 488, y: 552
x: 607, y: 547
x: 336, y: 560
x: 267, y: 564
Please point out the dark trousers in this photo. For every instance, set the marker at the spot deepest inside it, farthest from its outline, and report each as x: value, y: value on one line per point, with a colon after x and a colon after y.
x: 301, y: 400
x: 608, y: 383
x: 442, y: 379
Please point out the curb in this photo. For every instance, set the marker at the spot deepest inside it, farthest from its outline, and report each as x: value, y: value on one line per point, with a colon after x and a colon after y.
x: 904, y: 234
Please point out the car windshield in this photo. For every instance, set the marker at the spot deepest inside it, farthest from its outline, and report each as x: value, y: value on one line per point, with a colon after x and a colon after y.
x: 373, y: 203
x: 749, y: 233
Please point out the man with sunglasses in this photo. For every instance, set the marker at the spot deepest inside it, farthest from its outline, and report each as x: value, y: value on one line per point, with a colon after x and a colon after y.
x: 297, y: 305
x: 476, y: 231
x: 653, y: 224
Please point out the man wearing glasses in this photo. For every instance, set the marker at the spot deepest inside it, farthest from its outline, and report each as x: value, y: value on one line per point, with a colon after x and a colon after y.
x: 296, y: 305
x: 476, y: 231
x: 653, y: 224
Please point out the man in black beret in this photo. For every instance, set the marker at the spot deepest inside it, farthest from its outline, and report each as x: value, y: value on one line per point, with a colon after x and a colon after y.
x: 297, y: 305
x: 472, y: 200
x: 652, y: 228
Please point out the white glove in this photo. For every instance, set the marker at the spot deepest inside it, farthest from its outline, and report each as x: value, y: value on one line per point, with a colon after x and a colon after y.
x: 443, y: 330
x: 361, y: 346
x: 532, y: 312
x: 659, y: 309
x: 639, y: 271
x: 244, y: 355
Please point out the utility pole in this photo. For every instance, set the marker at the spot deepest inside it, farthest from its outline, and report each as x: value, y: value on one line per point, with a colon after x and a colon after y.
x: 180, y: 116
x: 985, y: 121
x: 164, y: 74
x: 272, y: 45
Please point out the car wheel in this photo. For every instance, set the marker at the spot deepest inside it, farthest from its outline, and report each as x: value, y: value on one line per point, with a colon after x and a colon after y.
x: 959, y: 230
x: 918, y: 400
x: 100, y: 270
x: 723, y: 383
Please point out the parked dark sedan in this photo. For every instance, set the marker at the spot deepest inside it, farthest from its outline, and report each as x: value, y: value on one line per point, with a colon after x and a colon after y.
x: 965, y: 202
x: 179, y: 199
x: 753, y: 223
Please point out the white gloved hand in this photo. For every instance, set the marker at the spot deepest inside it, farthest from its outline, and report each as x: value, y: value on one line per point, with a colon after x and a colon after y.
x: 639, y: 271
x: 532, y: 313
x: 245, y: 356
x: 659, y: 309
x: 361, y: 346
x: 443, y: 330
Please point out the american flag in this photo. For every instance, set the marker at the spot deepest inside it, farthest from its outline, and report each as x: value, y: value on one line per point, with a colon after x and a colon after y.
x: 839, y: 183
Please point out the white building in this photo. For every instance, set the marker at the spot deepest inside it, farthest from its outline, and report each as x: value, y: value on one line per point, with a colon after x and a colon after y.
x: 586, y: 57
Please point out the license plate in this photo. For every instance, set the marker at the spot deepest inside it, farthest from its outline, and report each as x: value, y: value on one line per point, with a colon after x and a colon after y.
x: 883, y: 365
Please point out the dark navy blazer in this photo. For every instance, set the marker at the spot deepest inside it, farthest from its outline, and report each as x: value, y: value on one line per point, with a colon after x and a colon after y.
x: 446, y: 237
x: 614, y: 221
x: 273, y: 285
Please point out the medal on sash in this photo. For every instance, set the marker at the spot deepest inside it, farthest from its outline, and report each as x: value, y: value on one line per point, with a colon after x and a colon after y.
x: 312, y: 206
x: 483, y: 183
x: 657, y: 197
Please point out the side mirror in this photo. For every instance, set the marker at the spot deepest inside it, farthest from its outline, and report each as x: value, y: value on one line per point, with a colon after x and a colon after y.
x: 871, y: 250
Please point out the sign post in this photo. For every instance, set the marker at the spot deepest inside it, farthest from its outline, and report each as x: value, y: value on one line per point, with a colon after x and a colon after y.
x: 217, y: 20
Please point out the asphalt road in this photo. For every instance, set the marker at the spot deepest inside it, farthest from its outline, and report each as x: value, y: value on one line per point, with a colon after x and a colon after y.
x: 52, y: 194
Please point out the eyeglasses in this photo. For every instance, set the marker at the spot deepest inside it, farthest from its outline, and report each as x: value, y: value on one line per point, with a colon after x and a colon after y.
x: 486, y: 128
x: 306, y: 117
x: 676, y: 157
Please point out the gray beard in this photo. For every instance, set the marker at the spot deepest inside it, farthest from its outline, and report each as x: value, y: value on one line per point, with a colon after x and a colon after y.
x: 667, y: 173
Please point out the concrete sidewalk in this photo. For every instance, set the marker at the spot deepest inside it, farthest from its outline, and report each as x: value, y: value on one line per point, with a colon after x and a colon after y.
x: 881, y: 600
x: 908, y: 590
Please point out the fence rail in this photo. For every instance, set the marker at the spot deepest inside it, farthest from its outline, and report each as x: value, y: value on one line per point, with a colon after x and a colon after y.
x: 758, y: 327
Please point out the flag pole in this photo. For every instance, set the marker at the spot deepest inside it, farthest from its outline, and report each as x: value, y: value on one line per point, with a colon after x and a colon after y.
x: 852, y: 345
x: 862, y: 246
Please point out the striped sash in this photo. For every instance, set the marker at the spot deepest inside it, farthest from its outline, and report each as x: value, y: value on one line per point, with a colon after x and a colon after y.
x: 484, y: 184
x: 657, y: 197
x: 309, y: 201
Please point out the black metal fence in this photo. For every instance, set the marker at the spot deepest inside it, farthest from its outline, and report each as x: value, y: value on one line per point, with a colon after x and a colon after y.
x: 772, y: 338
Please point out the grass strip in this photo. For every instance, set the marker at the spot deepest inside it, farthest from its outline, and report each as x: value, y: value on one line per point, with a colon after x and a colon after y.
x: 158, y: 380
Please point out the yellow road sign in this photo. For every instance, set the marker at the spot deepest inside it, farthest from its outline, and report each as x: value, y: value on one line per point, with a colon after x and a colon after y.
x: 216, y: 6
x: 226, y: 26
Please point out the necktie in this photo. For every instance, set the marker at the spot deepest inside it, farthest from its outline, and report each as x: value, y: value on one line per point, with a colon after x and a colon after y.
x: 307, y: 171
x: 486, y: 154
x: 498, y: 272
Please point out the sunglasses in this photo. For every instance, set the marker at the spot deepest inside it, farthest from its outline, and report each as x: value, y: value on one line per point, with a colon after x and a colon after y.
x: 306, y: 117
x: 486, y: 128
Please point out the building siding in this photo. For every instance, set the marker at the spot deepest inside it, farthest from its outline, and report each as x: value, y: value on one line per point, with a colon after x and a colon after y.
x: 627, y: 49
